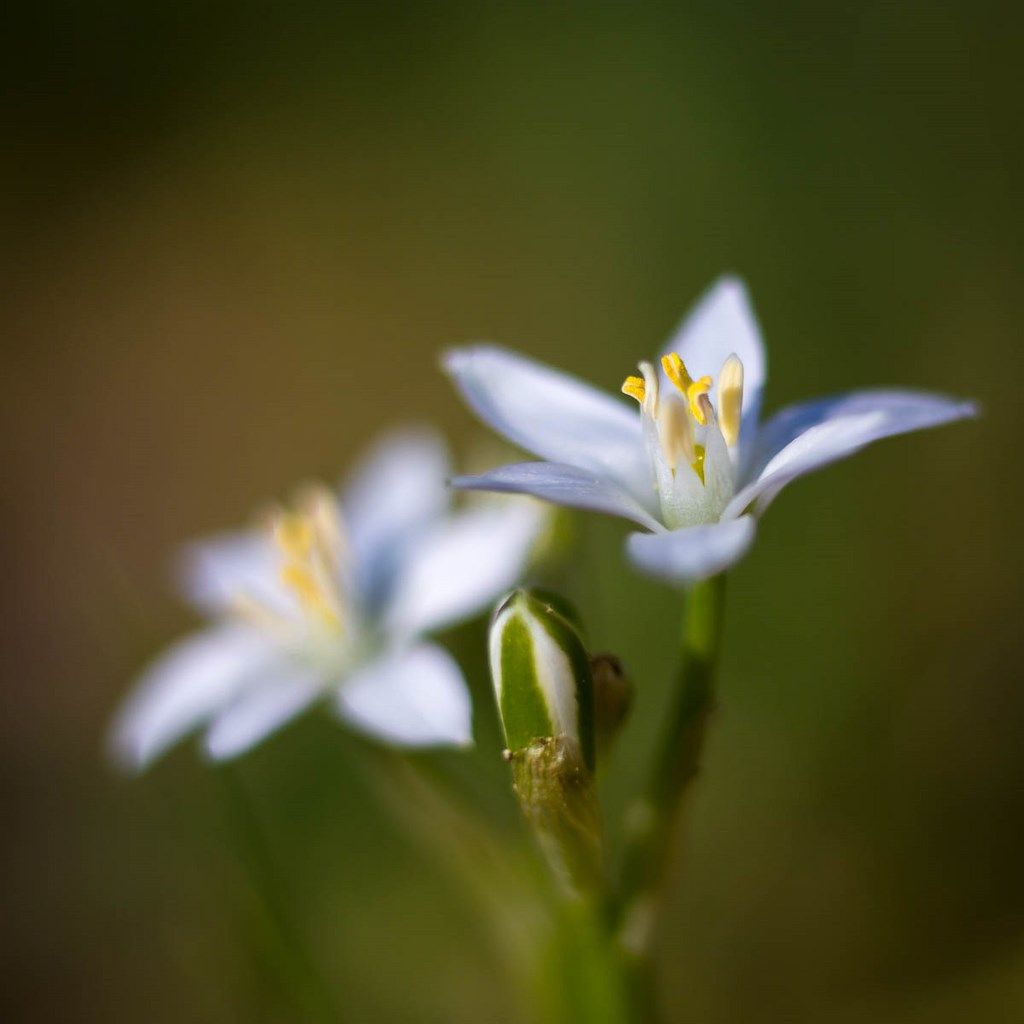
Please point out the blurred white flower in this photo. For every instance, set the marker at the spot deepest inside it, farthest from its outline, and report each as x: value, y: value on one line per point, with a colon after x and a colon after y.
x: 331, y: 599
x: 696, y: 468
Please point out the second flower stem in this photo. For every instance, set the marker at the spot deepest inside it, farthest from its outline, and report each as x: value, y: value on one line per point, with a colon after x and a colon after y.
x: 653, y: 819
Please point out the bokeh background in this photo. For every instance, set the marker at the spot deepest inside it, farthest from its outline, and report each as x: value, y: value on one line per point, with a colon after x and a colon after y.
x: 234, y: 240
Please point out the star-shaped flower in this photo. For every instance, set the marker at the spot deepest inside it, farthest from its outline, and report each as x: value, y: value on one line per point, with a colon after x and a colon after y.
x: 697, y: 467
x: 330, y: 600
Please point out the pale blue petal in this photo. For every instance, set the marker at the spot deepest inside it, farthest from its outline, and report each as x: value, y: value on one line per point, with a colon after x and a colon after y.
x: 561, y: 485
x: 462, y: 565
x: 261, y: 710
x: 216, y: 572
x: 415, y: 698
x: 806, y: 437
x: 187, y: 685
x: 395, y: 492
x: 720, y: 324
x: 552, y: 414
x: 694, y: 553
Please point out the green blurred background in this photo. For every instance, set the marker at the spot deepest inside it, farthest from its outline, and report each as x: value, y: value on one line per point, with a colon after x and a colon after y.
x: 235, y: 239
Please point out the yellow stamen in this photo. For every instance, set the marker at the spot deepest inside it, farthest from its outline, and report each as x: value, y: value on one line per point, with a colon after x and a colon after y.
x: 635, y: 388
x: 675, y: 370
x: 310, y: 542
x: 675, y: 434
x: 702, y: 406
x: 294, y: 534
x: 697, y: 396
x: 300, y: 580
x: 309, y: 591
x: 318, y: 506
x: 730, y: 399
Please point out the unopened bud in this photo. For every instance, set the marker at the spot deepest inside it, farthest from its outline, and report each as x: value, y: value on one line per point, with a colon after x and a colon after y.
x: 544, y: 690
x: 541, y: 675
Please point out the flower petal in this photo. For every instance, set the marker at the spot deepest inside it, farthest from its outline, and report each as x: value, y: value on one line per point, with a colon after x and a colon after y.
x: 397, y: 490
x: 806, y: 437
x: 216, y: 572
x: 184, y: 687
x: 694, y: 553
x: 261, y: 710
x: 552, y: 414
x: 462, y: 565
x: 415, y: 697
x: 561, y: 485
x: 720, y: 324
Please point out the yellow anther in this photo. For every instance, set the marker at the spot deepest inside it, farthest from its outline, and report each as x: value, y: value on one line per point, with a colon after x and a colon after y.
x: 700, y: 404
x: 318, y: 506
x: 308, y: 590
x: 730, y: 398
x: 310, y: 543
x: 300, y: 580
x: 675, y: 370
x: 294, y: 534
x: 635, y: 388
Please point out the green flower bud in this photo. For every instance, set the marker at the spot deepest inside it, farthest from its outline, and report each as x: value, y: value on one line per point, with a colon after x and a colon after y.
x: 541, y: 674
x: 562, y: 606
x: 544, y: 689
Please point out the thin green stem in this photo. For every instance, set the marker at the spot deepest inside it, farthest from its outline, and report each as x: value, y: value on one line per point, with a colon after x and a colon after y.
x: 298, y: 971
x: 653, y: 820
x: 557, y: 950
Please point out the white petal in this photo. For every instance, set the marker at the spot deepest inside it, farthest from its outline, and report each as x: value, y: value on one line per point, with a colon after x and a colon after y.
x: 261, y: 710
x: 416, y: 697
x: 719, y: 474
x: 694, y: 553
x: 720, y: 324
x: 215, y: 572
x: 806, y: 437
x: 552, y: 414
x: 562, y: 485
x: 183, y: 688
x: 463, y: 565
x: 398, y: 489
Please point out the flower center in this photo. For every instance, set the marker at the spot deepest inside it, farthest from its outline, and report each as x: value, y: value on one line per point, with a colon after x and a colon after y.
x: 690, y: 437
x: 676, y: 423
x: 308, y: 545
x: 312, y: 548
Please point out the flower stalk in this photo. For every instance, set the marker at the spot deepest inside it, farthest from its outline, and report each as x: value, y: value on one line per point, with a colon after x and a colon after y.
x: 558, y: 798
x: 297, y: 969
x: 653, y: 820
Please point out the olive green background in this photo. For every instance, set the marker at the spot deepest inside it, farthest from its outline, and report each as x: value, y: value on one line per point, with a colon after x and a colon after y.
x: 234, y: 241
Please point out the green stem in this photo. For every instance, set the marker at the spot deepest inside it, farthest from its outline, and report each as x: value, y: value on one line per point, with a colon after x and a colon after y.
x: 557, y: 950
x: 652, y: 822
x: 296, y: 967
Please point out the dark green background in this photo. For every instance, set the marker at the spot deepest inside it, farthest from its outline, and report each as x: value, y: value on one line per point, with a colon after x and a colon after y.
x: 233, y: 243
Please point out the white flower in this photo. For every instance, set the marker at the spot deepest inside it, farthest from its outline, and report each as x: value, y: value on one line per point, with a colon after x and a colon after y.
x: 331, y: 600
x: 697, y: 467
